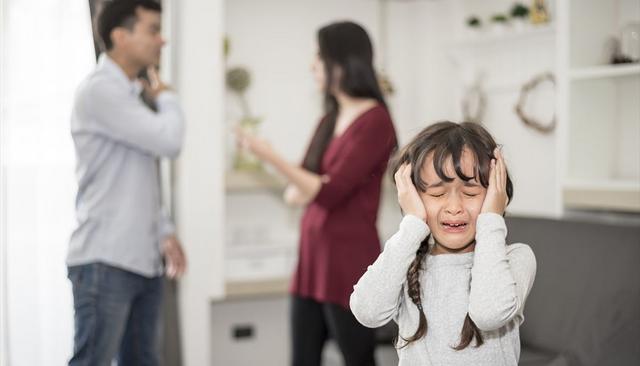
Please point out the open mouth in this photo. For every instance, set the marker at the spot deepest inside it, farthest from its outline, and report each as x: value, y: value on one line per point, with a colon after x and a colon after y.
x: 454, y: 226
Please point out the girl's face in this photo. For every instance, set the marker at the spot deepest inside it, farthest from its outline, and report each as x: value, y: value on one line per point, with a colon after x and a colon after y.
x: 452, y: 207
x: 318, y: 72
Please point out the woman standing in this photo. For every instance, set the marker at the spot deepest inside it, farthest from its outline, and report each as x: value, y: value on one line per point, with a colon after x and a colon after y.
x: 340, y: 183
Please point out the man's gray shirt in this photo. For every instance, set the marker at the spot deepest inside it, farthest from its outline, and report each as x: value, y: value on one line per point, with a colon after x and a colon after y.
x: 118, y: 141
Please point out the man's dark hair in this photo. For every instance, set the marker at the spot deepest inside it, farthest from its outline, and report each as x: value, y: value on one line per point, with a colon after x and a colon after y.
x: 120, y: 13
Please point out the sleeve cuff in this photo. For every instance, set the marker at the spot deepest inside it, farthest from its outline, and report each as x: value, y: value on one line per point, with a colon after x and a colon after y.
x: 415, y: 228
x: 167, y: 229
x: 410, y: 235
x: 165, y: 226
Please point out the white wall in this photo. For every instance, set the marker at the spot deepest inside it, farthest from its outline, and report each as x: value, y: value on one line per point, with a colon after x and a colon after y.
x: 419, y: 31
x: 199, y: 172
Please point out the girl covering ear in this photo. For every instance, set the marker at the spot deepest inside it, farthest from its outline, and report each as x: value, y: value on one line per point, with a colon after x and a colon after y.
x: 447, y: 277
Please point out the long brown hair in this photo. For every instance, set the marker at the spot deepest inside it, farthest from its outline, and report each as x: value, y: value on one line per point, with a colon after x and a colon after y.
x: 445, y: 140
x: 345, y: 46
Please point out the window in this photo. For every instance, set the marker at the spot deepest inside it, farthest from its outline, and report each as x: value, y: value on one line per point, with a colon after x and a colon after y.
x: 46, y: 51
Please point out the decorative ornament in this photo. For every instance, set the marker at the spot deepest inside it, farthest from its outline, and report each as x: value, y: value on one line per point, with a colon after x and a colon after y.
x: 474, y: 102
x: 529, y: 121
x: 538, y: 12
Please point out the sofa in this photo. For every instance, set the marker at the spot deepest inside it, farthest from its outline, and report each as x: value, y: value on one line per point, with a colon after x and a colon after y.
x: 584, y: 307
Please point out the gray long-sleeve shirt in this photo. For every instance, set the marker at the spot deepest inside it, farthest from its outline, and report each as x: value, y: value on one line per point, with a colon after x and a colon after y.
x: 118, y: 140
x: 490, y: 284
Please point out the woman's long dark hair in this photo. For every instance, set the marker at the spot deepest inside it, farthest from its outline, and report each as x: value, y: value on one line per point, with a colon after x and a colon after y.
x: 345, y: 48
x: 445, y: 140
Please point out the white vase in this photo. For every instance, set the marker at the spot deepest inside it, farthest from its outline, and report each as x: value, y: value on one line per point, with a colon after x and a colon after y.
x: 630, y: 41
x: 520, y: 25
x: 498, y: 29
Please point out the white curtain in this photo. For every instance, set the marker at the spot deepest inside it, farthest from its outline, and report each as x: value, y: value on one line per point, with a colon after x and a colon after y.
x: 46, y: 51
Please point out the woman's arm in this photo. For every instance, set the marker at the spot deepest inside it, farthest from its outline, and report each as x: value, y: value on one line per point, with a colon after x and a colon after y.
x: 293, y: 197
x: 307, y: 184
x: 359, y: 159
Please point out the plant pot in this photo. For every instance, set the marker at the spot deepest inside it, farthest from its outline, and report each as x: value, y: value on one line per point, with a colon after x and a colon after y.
x: 473, y: 32
x: 520, y: 24
x: 499, y: 29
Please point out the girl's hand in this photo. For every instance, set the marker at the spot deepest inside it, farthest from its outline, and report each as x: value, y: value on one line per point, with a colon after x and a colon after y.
x: 408, y: 197
x: 496, y: 199
x: 261, y: 148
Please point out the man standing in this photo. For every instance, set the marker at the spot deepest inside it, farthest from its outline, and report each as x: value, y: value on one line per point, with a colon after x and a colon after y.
x: 122, y: 237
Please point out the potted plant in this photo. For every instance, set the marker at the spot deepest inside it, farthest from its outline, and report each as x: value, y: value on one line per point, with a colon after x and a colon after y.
x: 238, y: 80
x: 474, y: 22
x: 519, y: 14
x: 499, y: 23
x: 474, y: 25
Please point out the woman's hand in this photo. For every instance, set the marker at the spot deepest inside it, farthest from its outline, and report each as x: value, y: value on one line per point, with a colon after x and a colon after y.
x: 408, y: 197
x: 307, y: 183
x: 496, y: 199
x: 293, y: 197
x: 261, y: 148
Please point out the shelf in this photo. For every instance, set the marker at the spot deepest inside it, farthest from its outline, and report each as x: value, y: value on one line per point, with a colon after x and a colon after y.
x: 249, y: 289
x: 238, y: 181
x: 604, y: 195
x: 486, y: 38
x: 605, y: 71
x: 260, y: 251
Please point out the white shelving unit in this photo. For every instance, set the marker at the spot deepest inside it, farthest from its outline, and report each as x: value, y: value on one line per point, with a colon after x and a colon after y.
x: 601, y: 106
x: 595, y: 150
